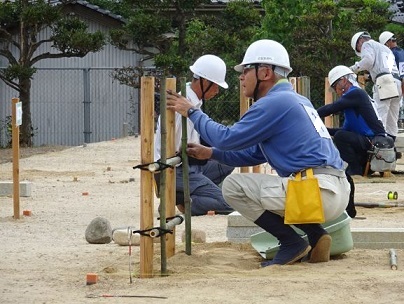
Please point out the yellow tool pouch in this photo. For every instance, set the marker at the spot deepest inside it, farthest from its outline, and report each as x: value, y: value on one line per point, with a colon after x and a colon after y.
x: 303, y: 200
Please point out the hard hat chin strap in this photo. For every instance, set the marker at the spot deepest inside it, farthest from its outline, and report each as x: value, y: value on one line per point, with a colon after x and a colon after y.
x: 257, y: 84
x: 255, y: 96
x: 204, y: 91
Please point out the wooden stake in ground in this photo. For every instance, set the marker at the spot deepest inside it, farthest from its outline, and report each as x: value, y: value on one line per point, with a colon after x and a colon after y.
x: 146, y: 177
x: 163, y: 159
x: 185, y: 169
x: 15, y: 122
x: 170, y: 172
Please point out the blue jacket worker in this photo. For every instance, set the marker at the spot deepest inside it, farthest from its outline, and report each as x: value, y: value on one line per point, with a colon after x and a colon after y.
x: 361, y: 123
x: 283, y: 129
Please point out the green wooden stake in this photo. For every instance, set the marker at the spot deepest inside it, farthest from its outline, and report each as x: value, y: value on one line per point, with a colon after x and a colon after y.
x: 185, y: 171
x: 163, y: 175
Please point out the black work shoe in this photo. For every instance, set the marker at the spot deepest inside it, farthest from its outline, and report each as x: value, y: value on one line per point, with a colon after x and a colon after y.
x: 289, y: 254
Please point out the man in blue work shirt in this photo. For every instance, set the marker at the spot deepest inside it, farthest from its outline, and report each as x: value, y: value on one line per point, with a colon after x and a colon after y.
x: 283, y: 129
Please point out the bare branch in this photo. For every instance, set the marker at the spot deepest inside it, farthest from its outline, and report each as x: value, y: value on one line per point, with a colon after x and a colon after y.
x: 7, y: 54
x: 52, y: 56
x: 12, y: 84
x: 36, y: 45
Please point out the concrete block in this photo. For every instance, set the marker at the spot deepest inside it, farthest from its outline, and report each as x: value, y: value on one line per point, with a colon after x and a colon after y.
x: 239, y: 230
x: 6, y: 188
x: 241, y: 234
x: 235, y: 219
x: 399, y: 143
x: 378, y: 238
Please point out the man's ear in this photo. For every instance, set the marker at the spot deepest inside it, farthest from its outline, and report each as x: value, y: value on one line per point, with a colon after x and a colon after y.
x: 269, y: 73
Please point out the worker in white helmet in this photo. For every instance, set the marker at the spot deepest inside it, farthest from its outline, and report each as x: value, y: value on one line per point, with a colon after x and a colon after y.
x: 361, y: 123
x: 209, y: 72
x: 280, y: 128
x: 388, y: 39
x: 378, y: 60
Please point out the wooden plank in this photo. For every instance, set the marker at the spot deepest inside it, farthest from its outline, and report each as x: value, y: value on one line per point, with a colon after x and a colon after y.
x: 328, y: 98
x: 170, y: 173
x: 15, y: 133
x: 244, y: 105
x: 146, y: 177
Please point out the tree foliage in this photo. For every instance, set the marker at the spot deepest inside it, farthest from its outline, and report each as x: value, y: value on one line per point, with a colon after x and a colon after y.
x: 317, y: 33
x: 22, y: 24
x: 173, y: 32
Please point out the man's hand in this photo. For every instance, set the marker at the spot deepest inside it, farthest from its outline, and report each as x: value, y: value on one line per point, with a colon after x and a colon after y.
x: 178, y: 103
x: 199, y: 151
x: 354, y: 68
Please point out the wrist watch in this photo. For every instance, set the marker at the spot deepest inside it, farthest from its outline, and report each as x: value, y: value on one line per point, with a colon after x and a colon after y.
x: 191, y: 111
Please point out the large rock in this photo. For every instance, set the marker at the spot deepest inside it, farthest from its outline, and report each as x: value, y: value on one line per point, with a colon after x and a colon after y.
x: 99, y: 231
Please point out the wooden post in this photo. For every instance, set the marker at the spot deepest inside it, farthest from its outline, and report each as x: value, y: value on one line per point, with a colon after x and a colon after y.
x: 163, y: 174
x: 328, y: 98
x: 293, y: 82
x: 185, y: 177
x: 170, y: 173
x: 244, y: 105
x: 16, y: 158
x: 304, y: 88
x: 146, y: 177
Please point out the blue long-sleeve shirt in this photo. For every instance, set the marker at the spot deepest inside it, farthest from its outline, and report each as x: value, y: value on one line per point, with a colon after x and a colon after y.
x: 281, y: 128
x: 359, y: 114
x: 399, y: 56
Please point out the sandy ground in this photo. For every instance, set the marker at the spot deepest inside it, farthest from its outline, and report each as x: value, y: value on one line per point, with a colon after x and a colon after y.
x: 44, y: 258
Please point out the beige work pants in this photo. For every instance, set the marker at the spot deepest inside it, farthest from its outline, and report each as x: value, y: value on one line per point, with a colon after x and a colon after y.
x: 252, y: 193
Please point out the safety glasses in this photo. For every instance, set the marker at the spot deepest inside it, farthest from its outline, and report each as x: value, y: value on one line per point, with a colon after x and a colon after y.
x: 334, y: 85
x: 249, y: 67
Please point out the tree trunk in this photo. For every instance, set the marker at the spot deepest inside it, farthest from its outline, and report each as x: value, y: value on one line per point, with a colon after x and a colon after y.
x: 26, y: 130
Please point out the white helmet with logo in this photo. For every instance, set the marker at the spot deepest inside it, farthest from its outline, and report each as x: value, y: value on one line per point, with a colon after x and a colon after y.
x: 338, y: 72
x: 211, y: 68
x: 266, y: 51
x: 355, y: 39
x: 385, y: 36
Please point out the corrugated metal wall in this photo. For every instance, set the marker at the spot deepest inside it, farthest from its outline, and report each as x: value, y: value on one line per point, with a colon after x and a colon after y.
x: 60, y: 87
x: 58, y: 108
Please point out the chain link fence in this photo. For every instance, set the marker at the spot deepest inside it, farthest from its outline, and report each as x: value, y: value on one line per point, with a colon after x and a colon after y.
x: 71, y: 106
x: 76, y: 106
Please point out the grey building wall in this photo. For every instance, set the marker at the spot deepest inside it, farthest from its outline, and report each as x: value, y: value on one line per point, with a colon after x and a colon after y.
x: 74, y: 106
x: 75, y: 100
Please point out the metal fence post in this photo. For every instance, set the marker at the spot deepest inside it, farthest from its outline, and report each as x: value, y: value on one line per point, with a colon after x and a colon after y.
x: 87, y: 103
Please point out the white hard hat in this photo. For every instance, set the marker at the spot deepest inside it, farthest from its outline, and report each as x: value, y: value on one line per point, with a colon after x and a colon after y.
x: 211, y: 68
x: 337, y: 72
x: 385, y: 36
x: 267, y: 52
x: 355, y: 39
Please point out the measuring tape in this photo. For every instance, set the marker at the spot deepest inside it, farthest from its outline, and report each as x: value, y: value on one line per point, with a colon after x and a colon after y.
x: 392, y: 195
